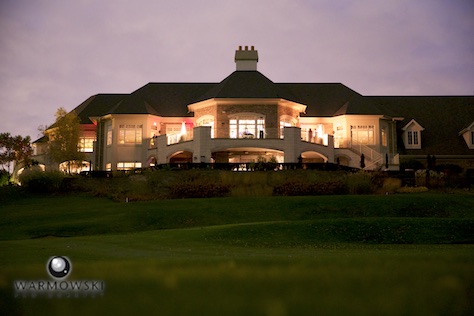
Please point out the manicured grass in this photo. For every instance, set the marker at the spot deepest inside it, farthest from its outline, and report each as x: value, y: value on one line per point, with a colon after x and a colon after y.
x: 327, y: 255
x: 81, y: 215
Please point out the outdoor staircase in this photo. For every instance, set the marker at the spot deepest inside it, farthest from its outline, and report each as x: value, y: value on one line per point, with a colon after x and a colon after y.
x: 373, y: 159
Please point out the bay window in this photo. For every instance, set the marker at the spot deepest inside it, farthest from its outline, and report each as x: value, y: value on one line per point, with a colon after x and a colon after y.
x: 130, y: 134
x: 247, y: 126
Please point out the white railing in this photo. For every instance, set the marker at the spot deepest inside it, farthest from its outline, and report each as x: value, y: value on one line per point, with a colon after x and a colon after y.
x: 393, y: 159
x: 178, y: 138
x: 368, y: 152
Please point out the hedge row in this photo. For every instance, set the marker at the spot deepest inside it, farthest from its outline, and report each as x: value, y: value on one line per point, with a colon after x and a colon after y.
x: 166, y: 184
x: 294, y: 188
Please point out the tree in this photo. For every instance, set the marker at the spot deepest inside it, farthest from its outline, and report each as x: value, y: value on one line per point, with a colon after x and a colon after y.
x: 22, y: 150
x: 6, y: 150
x: 64, y: 139
x: 14, y: 149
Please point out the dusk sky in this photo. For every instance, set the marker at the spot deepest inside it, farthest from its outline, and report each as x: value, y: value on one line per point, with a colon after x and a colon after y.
x: 57, y: 53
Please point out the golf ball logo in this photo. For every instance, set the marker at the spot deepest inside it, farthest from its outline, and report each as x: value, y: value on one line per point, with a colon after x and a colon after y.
x: 59, y: 267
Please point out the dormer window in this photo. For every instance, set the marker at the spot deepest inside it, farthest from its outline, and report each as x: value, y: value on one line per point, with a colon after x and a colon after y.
x: 412, y: 135
x: 468, y: 135
x: 412, y: 138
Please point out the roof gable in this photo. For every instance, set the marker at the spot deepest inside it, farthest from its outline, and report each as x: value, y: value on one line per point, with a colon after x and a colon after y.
x: 467, y: 129
x: 413, y: 125
x: 243, y: 84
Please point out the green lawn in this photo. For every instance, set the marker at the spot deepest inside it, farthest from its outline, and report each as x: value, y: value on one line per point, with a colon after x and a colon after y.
x: 327, y: 255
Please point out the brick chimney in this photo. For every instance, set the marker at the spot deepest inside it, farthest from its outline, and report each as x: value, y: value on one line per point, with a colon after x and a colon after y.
x: 246, y: 59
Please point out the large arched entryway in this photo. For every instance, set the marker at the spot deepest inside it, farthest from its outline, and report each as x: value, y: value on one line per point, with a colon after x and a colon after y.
x: 313, y: 157
x: 181, y: 157
x: 247, y: 155
x: 75, y: 166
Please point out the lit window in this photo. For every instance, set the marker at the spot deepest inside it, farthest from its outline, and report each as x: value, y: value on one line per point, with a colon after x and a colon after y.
x: 207, y: 121
x: 362, y: 134
x: 130, y: 134
x: 108, y: 166
x: 247, y: 126
x: 74, y: 166
x: 286, y: 122
x: 109, y: 135
x: 384, y: 137
x: 154, y: 131
x: 173, y: 129
x: 86, y: 144
x: 128, y: 165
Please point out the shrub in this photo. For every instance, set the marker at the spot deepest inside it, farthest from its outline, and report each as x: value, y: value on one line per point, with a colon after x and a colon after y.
x: 4, y: 177
x: 38, y: 181
x: 436, y: 179
x: 188, y: 184
x: 412, y: 164
x: 450, y: 169
x: 412, y: 189
x: 360, y: 183
x: 391, y: 185
x: 299, y: 188
x: 196, y: 189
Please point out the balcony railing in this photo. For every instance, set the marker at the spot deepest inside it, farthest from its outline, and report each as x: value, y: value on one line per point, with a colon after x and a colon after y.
x: 323, y: 140
x: 180, y: 137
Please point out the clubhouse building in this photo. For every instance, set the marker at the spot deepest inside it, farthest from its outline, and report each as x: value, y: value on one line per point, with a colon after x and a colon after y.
x: 248, y: 118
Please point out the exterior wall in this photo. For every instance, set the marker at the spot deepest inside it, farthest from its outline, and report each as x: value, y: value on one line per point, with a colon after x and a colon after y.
x: 203, y: 147
x: 117, y: 152
x: 226, y: 111
x: 222, y: 111
x: 202, y: 144
x: 340, y: 127
x: 211, y: 110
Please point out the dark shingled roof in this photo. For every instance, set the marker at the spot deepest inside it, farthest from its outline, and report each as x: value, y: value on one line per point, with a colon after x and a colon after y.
x: 243, y: 84
x: 171, y: 99
x: 322, y: 99
x: 163, y: 99
x: 442, y: 117
x: 97, y: 105
x: 365, y: 106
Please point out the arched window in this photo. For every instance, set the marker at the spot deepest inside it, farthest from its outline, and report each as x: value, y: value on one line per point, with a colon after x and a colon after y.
x: 247, y: 125
x: 207, y: 120
x: 286, y: 121
x: 74, y: 166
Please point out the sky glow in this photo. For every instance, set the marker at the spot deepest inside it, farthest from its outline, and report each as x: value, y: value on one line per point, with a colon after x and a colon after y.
x: 57, y: 53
